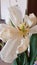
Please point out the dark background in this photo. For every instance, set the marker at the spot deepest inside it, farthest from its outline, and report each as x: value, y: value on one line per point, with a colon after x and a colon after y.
x: 32, y: 7
x: 0, y: 8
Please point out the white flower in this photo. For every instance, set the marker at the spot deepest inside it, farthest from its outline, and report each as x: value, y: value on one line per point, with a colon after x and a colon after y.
x: 16, y: 38
x: 13, y: 36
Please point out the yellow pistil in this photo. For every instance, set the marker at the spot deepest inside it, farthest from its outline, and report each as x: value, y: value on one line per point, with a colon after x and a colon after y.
x: 23, y: 29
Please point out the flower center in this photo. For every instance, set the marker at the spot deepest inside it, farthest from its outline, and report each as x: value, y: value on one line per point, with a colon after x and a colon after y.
x: 23, y: 28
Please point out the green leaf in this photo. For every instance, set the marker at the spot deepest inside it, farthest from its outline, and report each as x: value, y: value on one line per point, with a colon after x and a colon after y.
x: 21, y: 60
x: 14, y: 62
x: 33, y: 48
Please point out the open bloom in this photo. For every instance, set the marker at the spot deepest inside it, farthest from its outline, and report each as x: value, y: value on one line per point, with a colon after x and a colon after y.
x: 15, y: 41
x: 16, y: 38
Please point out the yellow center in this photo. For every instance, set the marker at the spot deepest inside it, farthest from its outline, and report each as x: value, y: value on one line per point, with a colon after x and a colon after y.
x: 23, y: 29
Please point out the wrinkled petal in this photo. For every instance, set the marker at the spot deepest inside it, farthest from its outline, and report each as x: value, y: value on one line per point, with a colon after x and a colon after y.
x: 15, y: 15
x: 8, y: 53
x: 33, y: 30
x: 33, y: 18
x: 28, y: 21
x: 23, y: 46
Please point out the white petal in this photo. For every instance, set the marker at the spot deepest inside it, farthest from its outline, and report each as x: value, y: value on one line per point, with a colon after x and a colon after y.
x: 28, y: 21
x: 33, y: 18
x: 8, y: 53
x: 15, y: 15
x: 33, y: 30
x: 23, y: 46
x: 7, y: 32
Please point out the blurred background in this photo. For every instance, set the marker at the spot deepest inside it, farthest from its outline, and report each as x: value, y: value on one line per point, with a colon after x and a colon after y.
x: 26, y: 6
x: 5, y: 4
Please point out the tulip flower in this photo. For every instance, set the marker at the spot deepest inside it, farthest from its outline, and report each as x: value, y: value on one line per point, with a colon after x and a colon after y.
x: 16, y: 37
